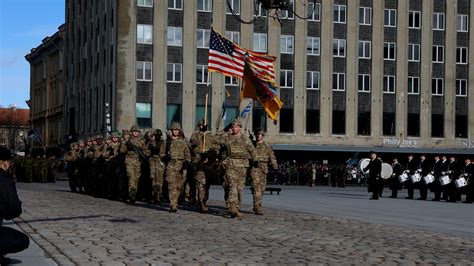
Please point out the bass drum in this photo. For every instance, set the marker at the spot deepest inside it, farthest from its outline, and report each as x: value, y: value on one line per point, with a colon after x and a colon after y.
x: 363, y: 164
x: 387, y: 171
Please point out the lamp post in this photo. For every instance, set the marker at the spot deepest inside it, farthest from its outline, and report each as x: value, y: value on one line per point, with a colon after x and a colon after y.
x: 107, y: 118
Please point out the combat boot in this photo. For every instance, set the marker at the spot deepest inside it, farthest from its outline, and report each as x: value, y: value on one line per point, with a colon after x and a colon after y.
x: 173, y: 208
x: 258, y: 211
x: 203, y: 207
x: 132, y: 194
x: 232, y: 210
x: 157, y: 200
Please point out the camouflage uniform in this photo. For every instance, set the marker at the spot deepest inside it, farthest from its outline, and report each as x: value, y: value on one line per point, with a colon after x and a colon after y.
x: 43, y: 167
x: 238, y: 151
x: 89, y: 164
x: 201, y: 144
x: 82, y: 170
x: 52, y: 169
x: 71, y: 159
x: 131, y: 148
x: 263, y: 155
x: 156, y: 151
x: 178, y: 156
x: 28, y: 164
x: 112, y: 157
x: 99, y: 167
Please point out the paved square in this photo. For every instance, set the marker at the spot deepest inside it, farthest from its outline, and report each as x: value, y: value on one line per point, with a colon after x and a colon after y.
x: 79, y: 229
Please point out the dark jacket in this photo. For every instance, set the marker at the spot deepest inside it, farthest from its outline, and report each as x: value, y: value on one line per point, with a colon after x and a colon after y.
x: 437, y: 168
x: 10, y: 204
x: 425, y: 167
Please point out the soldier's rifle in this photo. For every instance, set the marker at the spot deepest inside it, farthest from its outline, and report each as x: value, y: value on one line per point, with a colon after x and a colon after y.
x: 137, y: 150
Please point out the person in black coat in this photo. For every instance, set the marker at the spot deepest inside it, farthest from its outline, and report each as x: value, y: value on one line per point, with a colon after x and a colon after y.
x: 435, y: 187
x: 444, y: 170
x: 425, y: 170
x: 411, y: 169
x: 469, y: 175
x: 393, y: 183
x: 374, y: 181
x: 11, y: 240
x: 453, y: 171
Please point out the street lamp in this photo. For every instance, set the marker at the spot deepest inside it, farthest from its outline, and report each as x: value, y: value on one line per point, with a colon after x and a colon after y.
x: 107, y: 118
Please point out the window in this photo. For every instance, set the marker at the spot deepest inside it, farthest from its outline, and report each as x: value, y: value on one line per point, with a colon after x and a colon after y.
x: 314, y: 12
x: 338, y: 122
x: 204, y: 5
x: 437, y: 86
x: 146, y: 3
x: 312, y: 45
x: 438, y: 54
x: 175, y: 4
x: 461, y: 55
x: 259, y: 10
x: 312, y: 80
x: 173, y: 114
x: 338, y: 82
x: 286, y: 120
x: 286, y: 78
x: 461, y: 87
x: 231, y: 81
x: 364, y: 83
x: 389, y: 49
x: 413, y: 124
x: 413, y: 52
x: 203, y: 37
x: 339, y: 14
x: 259, y: 118
x: 461, y: 127
x: 234, y: 36
x: 389, y: 84
x: 339, y: 48
x: 463, y: 23
x: 414, y: 20
x: 390, y: 18
x: 175, y: 36
x: 286, y: 44
x: 365, y: 15
x: 145, y: 34
x: 388, y: 123
x: 201, y: 74
x: 438, y: 21
x: 143, y: 114
x: 413, y: 85
x: 260, y: 42
x: 144, y: 71
x: 363, y: 123
x: 364, y: 49
x: 173, y: 73
x: 285, y: 14
x: 437, y: 125
x: 234, y: 4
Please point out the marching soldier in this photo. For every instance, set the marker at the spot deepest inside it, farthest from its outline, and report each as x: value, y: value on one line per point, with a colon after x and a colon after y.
x: 238, y: 151
x: 263, y: 156
x: 43, y: 167
x: 155, y: 150
x: 425, y: 170
x: 70, y: 158
x: 112, y: 157
x: 88, y: 163
x: 374, y: 181
x: 178, y: 156
x: 82, y: 170
x: 99, y: 166
x: 134, y: 153
x: 28, y: 168
x: 394, y: 183
x: 201, y: 144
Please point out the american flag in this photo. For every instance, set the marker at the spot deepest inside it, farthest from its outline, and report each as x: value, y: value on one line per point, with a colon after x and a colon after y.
x: 225, y: 56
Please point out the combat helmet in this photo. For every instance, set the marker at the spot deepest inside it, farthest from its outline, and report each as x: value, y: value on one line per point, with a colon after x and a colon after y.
x: 259, y: 131
x: 175, y: 125
x: 236, y: 122
x: 201, y: 122
x: 149, y: 134
x: 125, y: 132
x: 134, y: 128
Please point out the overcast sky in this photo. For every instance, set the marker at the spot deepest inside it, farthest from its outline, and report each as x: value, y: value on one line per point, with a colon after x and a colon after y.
x: 23, y: 24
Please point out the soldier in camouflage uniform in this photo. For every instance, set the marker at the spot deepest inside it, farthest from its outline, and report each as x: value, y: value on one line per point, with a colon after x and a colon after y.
x: 122, y: 178
x: 134, y: 150
x: 99, y: 166
x: 112, y: 158
x: 178, y: 156
x: 52, y: 169
x: 89, y: 164
x: 238, y: 151
x: 155, y: 150
x: 71, y: 159
x: 82, y: 170
x: 28, y: 164
x: 201, y: 143
x: 263, y: 155
x: 43, y: 169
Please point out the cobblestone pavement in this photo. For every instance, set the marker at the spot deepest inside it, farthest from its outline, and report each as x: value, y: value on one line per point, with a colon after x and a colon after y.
x: 79, y: 229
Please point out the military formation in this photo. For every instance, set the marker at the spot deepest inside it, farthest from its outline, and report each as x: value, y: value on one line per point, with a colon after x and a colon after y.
x: 175, y: 169
x: 34, y: 167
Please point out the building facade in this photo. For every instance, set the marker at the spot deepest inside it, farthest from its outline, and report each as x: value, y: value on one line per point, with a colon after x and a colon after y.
x: 46, y: 89
x: 14, y: 126
x: 354, y: 75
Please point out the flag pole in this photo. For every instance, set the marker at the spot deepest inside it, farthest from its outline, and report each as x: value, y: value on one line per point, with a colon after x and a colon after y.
x: 205, y: 119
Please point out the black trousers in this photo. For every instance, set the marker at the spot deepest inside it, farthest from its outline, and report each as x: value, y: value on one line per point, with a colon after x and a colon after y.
x: 12, y: 241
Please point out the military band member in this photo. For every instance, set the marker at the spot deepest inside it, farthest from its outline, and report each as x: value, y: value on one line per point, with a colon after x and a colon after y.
x: 436, y: 172
x: 394, y: 183
x: 374, y: 179
x: 71, y: 159
x: 263, y: 156
x: 411, y: 169
x: 425, y: 170
x: 469, y: 175
x: 453, y: 172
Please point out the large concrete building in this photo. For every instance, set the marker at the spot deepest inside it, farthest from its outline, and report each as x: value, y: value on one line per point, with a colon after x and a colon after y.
x: 46, y: 89
x: 356, y: 75
x: 14, y: 126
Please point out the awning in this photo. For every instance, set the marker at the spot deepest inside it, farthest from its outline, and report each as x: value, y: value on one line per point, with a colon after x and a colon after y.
x: 379, y: 149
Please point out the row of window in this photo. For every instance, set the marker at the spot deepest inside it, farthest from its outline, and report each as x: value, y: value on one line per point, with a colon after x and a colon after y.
x: 339, y: 14
x: 174, y: 74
